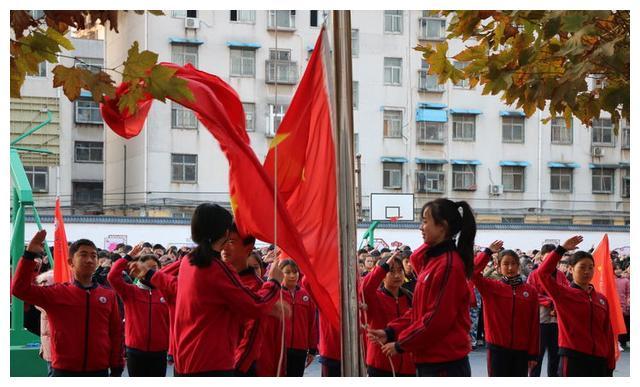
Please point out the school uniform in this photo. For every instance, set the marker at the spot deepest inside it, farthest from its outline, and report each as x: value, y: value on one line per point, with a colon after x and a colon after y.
x: 253, y: 331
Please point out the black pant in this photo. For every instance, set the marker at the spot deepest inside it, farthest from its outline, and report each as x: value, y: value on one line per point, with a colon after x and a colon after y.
x: 140, y: 363
x: 251, y: 372
x: 548, y: 341
x: 377, y: 373
x: 206, y: 373
x: 63, y: 373
x: 454, y: 368
x: 296, y: 360
x: 624, y: 339
x: 583, y: 365
x: 330, y: 367
x: 507, y: 362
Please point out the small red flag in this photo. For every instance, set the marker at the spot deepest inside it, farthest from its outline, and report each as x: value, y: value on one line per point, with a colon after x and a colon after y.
x: 604, y: 281
x: 61, y: 268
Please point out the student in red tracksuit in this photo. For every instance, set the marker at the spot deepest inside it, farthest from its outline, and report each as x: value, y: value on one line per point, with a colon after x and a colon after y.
x: 586, y: 338
x: 146, y: 318
x: 210, y: 299
x: 386, y: 300
x: 510, y: 314
x: 436, y: 329
x: 86, y: 328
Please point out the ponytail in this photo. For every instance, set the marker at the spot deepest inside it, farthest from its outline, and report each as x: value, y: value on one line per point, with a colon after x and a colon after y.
x: 209, y: 223
x: 467, y: 237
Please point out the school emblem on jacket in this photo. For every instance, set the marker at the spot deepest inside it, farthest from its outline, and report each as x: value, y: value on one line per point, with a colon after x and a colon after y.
x: 102, y: 299
x: 162, y: 300
x: 601, y: 301
x: 305, y: 298
x: 525, y: 294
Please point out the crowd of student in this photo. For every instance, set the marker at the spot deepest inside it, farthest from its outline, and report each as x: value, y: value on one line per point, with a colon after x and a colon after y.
x: 225, y: 308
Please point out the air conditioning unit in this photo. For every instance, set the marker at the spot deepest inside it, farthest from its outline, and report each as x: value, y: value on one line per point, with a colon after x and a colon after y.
x: 192, y: 23
x: 495, y: 189
x: 596, y: 151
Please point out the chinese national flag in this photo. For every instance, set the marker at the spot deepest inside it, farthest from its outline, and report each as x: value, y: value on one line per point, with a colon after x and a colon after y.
x: 604, y: 281
x: 302, y: 157
x: 61, y: 269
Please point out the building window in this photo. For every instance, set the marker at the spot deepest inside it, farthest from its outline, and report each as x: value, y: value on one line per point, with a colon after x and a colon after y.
x: 427, y: 82
x: 560, y: 221
x: 430, y: 132
x: 392, y: 175
x: 37, y: 14
x: 182, y: 117
x: 38, y: 178
x: 513, y: 219
x: 282, y: 19
x: 94, y: 65
x: 275, y: 114
x: 355, y: 95
x: 280, y: 68
x: 513, y: 129
x: 561, y: 180
x: 182, y: 54
x: 626, y: 136
x: 250, y: 116
x: 393, y: 71
x: 602, y: 222
x: 42, y: 70
x: 393, y: 22
x: 243, y: 16
x: 464, y: 127
x: 87, y: 111
x: 602, y: 132
x: 88, y: 152
x: 513, y: 179
x: 316, y: 18
x: 184, y: 168
x: 355, y: 42
x: 432, y: 28
x: 463, y: 84
x: 87, y: 193
x: 464, y: 177
x: 392, y: 124
x: 625, y: 189
x: 243, y: 62
x: 602, y: 180
x: 184, y: 13
x: 560, y: 134
x: 430, y: 178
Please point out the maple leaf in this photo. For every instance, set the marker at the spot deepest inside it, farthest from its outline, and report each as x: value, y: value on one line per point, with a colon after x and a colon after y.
x: 71, y: 79
x: 138, y: 63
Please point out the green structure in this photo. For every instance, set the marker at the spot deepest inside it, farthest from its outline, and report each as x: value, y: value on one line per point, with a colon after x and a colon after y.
x: 25, y: 345
x: 368, y: 235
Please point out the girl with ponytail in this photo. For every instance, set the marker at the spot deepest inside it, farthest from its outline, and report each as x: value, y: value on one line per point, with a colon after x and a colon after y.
x: 436, y: 329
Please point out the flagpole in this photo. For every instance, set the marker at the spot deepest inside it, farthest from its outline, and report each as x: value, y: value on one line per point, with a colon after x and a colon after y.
x: 351, y: 364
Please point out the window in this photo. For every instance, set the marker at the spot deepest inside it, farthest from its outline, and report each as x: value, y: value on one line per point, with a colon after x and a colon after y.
x: 182, y: 54
x: 430, y: 132
x: 87, y: 111
x: 94, y: 65
x: 37, y: 14
x: 184, y: 168
x: 355, y: 95
x: 560, y: 134
x: 602, y: 180
x: 464, y: 177
x: 316, y: 18
x: 463, y: 84
x: 243, y: 16
x: 602, y: 222
x: 393, y: 71
x: 275, y: 113
x: 625, y: 189
x: 560, y: 221
x: 427, y: 82
x: 282, y: 19
x: 250, y: 116
x: 38, y: 178
x: 88, y: 152
x: 432, y: 28
x: 243, y: 62
x: 182, y: 117
x: 184, y: 13
x: 355, y: 42
x: 513, y: 219
x: 42, y: 69
x: 356, y: 142
x: 430, y: 178
x: 87, y: 193
x: 280, y: 68
x: 602, y: 132
x: 513, y: 179
x: 393, y: 22
x: 392, y: 175
x: 392, y: 124
x: 561, y: 180
x: 513, y: 129
x: 626, y: 136
x: 464, y: 127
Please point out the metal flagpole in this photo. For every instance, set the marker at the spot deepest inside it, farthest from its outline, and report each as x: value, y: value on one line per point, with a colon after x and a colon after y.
x: 351, y: 364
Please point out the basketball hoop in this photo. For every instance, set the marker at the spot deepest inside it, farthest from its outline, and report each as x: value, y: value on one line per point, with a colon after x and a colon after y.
x: 394, y: 219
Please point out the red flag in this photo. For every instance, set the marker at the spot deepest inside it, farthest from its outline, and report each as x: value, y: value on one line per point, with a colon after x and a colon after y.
x: 124, y: 124
x: 61, y: 269
x: 604, y: 281
x: 306, y: 178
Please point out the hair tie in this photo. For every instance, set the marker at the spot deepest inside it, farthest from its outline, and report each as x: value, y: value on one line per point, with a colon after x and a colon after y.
x: 460, y: 209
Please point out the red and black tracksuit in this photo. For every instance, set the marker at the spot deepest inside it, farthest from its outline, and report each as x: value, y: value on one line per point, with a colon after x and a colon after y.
x: 168, y: 286
x: 146, y: 324
x: 382, y: 307
x: 586, y: 338
x: 86, y: 328
x: 510, y: 309
x: 253, y: 331
x: 209, y: 303
x: 436, y: 329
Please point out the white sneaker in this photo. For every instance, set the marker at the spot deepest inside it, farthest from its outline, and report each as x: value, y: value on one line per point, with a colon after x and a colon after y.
x: 620, y: 347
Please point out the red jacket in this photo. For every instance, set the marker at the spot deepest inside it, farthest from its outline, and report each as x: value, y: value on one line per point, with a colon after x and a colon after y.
x: 583, y: 316
x: 168, y: 287
x: 510, y: 312
x: 534, y: 280
x: 209, y: 303
x: 329, y: 344
x: 146, y: 313
x: 86, y: 328
x: 253, y: 331
x: 383, y: 307
x: 437, y: 328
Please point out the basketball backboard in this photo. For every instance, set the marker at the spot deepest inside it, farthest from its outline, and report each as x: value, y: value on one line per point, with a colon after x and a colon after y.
x: 392, y: 207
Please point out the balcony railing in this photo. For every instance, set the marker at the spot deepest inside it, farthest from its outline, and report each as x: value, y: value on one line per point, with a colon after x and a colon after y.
x: 283, y: 72
x: 429, y: 83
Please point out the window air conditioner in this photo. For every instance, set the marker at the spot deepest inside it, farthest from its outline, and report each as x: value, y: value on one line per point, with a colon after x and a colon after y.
x: 495, y: 189
x: 596, y: 151
x: 192, y: 23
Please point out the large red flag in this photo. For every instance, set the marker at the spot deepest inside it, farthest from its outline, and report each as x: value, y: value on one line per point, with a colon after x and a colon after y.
x: 604, y: 281
x: 61, y: 269
x: 302, y: 160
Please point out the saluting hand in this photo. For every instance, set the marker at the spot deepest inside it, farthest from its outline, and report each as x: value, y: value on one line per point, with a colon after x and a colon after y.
x: 573, y: 242
x: 137, y: 269
x: 35, y: 246
x: 136, y: 250
x: 496, y: 246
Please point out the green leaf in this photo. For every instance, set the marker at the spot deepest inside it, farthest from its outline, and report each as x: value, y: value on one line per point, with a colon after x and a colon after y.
x: 159, y: 82
x: 129, y: 101
x: 573, y: 21
x: 99, y: 85
x: 71, y: 79
x: 59, y: 38
x: 138, y: 64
